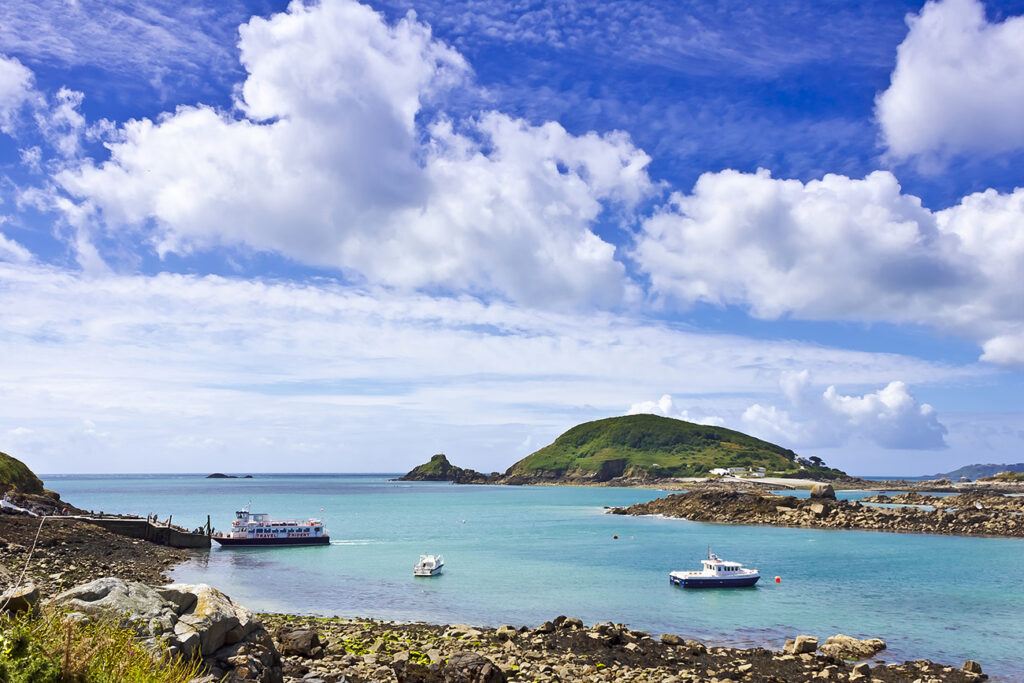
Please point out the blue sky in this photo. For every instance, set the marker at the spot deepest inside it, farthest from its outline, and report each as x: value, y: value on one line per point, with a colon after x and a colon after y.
x: 341, y: 237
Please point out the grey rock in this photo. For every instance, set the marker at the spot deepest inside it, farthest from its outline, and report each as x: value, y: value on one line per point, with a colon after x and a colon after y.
x: 137, y: 605
x: 802, y: 645
x: 861, y: 672
x: 671, y: 639
x: 971, y: 667
x: 469, y: 667
x: 184, y: 619
x: 299, y: 642
x: 20, y: 599
x: 546, y: 627
x: 847, y: 647
x: 824, y: 491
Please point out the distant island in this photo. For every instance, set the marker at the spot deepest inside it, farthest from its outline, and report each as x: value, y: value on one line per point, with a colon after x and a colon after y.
x: 221, y: 475
x: 980, y: 471
x: 638, y: 448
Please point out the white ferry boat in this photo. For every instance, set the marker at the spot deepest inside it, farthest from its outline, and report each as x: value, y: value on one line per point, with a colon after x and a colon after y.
x: 250, y: 529
x: 717, y: 573
x: 429, y: 565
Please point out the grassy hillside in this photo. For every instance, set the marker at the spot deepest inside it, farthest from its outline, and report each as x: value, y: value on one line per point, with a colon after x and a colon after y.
x: 651, y: 445
x: 15, y: 475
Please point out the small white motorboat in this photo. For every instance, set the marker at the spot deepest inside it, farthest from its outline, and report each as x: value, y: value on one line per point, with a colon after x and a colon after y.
x: 717, y: 573
x: 429, y: 565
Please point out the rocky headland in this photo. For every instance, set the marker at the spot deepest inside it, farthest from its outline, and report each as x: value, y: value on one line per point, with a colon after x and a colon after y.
x: 969, y: 515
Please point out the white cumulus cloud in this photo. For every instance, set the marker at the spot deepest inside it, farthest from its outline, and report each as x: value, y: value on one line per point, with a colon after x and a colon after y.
x: 958, y: 85
x: 12, y: 251
x: 841, y: 248
x: 664, y: 406
x: 890, y: 418
x: 269, y: 366
x: 16, y: 89
x: 331, y: 166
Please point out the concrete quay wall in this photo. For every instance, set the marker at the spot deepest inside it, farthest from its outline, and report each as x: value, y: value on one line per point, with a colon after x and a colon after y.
x: 145, y: 530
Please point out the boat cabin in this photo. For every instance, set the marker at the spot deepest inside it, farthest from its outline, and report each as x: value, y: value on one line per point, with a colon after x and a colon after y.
x: 720, y: 566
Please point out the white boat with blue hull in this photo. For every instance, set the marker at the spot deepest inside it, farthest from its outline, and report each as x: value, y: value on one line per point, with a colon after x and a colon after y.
x: 429, y: 565
x: 717, y: 573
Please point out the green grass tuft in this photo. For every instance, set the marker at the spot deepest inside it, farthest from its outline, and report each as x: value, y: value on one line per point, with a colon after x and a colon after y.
x: 56, y: 649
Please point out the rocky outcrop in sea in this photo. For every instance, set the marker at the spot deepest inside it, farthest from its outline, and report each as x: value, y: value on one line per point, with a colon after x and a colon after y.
x: 967, y: 516
x: 439, y: 469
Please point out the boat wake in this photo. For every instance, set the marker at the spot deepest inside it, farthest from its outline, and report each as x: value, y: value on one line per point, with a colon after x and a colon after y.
x: 357, y: 541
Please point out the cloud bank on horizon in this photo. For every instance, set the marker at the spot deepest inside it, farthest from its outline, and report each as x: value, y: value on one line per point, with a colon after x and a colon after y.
x: 364, y: 169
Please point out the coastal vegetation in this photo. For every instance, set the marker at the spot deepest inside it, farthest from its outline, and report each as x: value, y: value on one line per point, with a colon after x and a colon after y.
x: 1009, y: 475
x: 968, y: 514
x: 53, y: 648
x: 650, y: 446
x: 979, y: 471
x: 16, y: 476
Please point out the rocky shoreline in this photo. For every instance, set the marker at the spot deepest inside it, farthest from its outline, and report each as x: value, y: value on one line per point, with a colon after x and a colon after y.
x: 972, y: 514
x: 69, y: 552
x: 564, y: 649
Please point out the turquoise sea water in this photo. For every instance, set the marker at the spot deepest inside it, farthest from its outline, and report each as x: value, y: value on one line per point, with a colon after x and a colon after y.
x: 523, y: 555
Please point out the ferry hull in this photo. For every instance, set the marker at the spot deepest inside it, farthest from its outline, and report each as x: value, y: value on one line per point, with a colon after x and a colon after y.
x: 269, y: 542
x: 701, y: 582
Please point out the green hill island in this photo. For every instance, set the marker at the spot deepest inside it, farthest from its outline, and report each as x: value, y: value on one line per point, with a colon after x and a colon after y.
x: 637, y: 448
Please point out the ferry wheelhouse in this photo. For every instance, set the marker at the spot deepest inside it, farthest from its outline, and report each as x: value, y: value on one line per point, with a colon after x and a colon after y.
x: 250, y: 529
x: 717, y: 573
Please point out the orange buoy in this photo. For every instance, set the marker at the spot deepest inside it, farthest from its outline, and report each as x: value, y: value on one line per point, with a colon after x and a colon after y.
x: 615, y: 536
x: 778, y: 579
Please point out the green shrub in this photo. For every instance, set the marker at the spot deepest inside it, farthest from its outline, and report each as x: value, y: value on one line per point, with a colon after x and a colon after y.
x: 54, y: 648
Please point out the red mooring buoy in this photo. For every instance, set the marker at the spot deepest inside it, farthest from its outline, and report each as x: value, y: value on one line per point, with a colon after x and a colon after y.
x: 615, y: 536
x: 778, y: 579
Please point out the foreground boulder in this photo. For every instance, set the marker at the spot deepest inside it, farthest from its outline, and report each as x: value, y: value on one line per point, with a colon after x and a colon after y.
x: 847, y: 647
x: 184, y: 619
x: 801, y: 645
x: 470, y: 667
x: 300, y: 642
x: 19, y: 599
x: 823, y: 492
